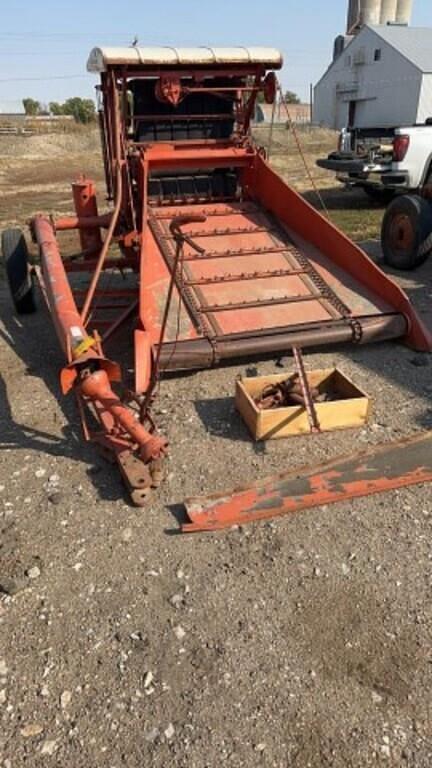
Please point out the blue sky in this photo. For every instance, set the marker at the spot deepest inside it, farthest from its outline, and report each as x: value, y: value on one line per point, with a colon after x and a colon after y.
x: 48, y: 39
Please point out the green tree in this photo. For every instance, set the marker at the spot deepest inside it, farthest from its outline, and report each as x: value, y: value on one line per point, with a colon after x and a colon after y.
x: 82, y: 110
x: 56, y: 108
x: 31, y: 107
x: 291, y: 97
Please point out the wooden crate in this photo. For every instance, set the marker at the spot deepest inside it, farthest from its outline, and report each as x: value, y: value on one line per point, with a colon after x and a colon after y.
x: 351, y: 408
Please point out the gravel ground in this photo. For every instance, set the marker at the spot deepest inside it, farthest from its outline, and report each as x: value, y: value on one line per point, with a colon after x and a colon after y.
x: 303, y: 642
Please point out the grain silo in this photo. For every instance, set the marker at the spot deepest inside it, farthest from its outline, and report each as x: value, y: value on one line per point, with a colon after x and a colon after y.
x: 374, y: 12
x: 404, y: 11
x: 370, y: 12
x: 388, y: 11
x: 361, y: 12
x: 353, y: 14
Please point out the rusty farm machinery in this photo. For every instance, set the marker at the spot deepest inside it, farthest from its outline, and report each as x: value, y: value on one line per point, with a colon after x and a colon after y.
x: 223, y: 259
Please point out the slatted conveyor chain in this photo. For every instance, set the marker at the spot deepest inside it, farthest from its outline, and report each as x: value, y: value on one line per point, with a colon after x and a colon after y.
x: 202, y: 313
x: 324, y: 289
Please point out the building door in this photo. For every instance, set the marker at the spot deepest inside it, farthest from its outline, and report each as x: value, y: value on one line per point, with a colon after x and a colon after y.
x: 351, y: 114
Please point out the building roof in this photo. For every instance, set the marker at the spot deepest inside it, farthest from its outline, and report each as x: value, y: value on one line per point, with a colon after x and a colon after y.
x: 12, y: 108
x: 415, y: 43
x: 101, y: 58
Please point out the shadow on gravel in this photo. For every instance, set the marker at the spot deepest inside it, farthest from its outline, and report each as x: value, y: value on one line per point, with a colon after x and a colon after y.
x: 221, y: 419
x: 33, y: 340
x: 178, y: 512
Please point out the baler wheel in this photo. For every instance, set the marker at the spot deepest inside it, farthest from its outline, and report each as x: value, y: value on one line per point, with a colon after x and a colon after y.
x: 15, y: 259
x: 406, y: 234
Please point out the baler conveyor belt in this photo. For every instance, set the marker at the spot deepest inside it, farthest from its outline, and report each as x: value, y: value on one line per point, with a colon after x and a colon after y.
x: 257, y: 280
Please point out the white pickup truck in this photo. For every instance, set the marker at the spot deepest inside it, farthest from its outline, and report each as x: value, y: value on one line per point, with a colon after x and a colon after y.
x: 383, y: 162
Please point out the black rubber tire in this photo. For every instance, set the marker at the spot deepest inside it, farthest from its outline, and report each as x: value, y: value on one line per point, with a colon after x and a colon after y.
x: 15, y: 259
x: 379, y: 195
x: 406, y: 233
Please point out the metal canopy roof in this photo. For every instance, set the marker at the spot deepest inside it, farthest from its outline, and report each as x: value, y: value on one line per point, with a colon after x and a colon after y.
x: 102, y: 58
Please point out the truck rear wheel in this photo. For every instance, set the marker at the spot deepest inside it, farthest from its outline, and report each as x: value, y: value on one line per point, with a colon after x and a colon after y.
x: 15, y: 259
x: 406, y: 234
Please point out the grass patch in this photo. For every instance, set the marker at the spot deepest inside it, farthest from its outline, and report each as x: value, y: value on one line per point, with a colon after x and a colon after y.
x: 349, y: 209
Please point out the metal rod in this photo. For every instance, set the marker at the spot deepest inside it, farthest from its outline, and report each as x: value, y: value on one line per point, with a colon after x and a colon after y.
x: 121, y: 293
x: 89, y: 265
x: 227, y: 231
x: 117, y: 208
x: 120, y: 320
x: 309, y: 403
x: 84, y: 222
x: 240, y: 278
x: 182, y: 118
x: 106, y: 245
x: 260, y: 303
x: 243, y: 252
x: 227, y: 211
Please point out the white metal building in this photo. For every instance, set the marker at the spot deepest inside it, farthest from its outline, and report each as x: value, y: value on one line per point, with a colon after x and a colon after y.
x: 11, y: 110
x: 382, y: 79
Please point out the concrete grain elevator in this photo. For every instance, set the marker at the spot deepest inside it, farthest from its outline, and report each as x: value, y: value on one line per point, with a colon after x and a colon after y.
x: 374, y: 12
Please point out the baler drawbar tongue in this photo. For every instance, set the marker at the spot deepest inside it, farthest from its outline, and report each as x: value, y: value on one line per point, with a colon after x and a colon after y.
x: 388, y: 467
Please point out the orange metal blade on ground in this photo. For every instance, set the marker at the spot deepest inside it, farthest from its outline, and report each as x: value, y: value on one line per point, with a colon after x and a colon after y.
x: 386, y: 468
